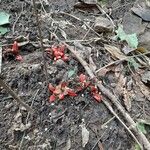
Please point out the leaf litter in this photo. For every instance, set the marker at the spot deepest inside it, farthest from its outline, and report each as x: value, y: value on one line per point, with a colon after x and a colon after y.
x: 75, y: 92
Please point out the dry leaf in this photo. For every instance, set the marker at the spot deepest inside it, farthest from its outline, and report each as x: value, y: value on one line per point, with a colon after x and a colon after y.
x: 144, y: 89
x: 121, y: 88
x: 115, y: 52
x: 63, y: 33
x: 127, y: 99
x: 85, y: 135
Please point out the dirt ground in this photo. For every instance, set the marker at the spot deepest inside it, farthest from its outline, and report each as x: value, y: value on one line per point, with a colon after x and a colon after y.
x: 54, y: 125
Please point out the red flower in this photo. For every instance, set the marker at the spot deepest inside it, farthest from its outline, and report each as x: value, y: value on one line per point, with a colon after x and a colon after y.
x: 15, y: 48
x: 61, y: 96
x: 71, y: 92
x: 82, y: 78
x: 58, y: 52
x: 97, y: 96
x: 51, y: 88
x: 52, y: 98
x: 60, y: 91
x: 19, y: 58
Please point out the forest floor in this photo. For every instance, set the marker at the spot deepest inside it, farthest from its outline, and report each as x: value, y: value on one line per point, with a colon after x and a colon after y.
x: 64, y: 121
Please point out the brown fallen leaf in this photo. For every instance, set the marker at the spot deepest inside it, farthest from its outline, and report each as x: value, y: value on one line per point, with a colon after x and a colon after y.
x: 127, y: 99
x: 121, y: 88
x: 115, y: 52
x: 143, y: 88
x: 85, y: 135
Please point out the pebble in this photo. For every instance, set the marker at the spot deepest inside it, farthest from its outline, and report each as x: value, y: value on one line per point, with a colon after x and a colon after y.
x: 103, y: 25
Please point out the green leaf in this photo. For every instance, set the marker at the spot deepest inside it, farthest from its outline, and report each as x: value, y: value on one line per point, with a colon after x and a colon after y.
x: 133, y: 63
x: 141, y: 128
x: 120, y: 33
x: 4, y: 18
x: 131, y: 39
x: 71, y: 73
x: 137, y: 147
x: 3, y: 30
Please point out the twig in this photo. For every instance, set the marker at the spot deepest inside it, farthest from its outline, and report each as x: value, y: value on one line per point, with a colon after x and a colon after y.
x: 121, y: 60
x: 142, y: 138
x: 41, y: 41
x: 114, y: 113
x: 87, y: 32
x: 14, y: 95
x: 104, y: 125
x: 98, y: 140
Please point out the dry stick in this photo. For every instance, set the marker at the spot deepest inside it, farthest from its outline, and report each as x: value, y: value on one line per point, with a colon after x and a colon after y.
x: 14, y: 95
x: 119, y: 61
x: 87, y: 32
x: 98, y: 140
x: 41, y: 41
x: 114, y: 113
x: 113, y: 99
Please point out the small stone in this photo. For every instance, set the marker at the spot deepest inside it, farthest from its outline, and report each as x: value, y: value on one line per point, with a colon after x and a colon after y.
x: 133, y: 24
x: 144, y: 40
x: 141, y: 10
x: 103, y: 25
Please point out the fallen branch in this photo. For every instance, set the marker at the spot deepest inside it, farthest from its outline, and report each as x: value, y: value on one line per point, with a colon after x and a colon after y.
x: 113, y: 112
x: 141, y: 137
x: 14, y: 95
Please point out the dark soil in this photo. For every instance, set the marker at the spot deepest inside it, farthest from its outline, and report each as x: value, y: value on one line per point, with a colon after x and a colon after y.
x: 52, y: 125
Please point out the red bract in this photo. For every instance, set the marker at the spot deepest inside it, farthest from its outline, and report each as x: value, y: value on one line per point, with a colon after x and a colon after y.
x: 93, y: 89
x: 82, y: 78
x: 58, y: 52
x: 51, y: 88
x: 63, y: 84
x: 15, y: 48
x: 97, y: 96
x: 61, y: 96
x: 19, y: 58
x: 52, y: 98
x: 71, y: 92
x: 60, y: 91
x: 65, y: 58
